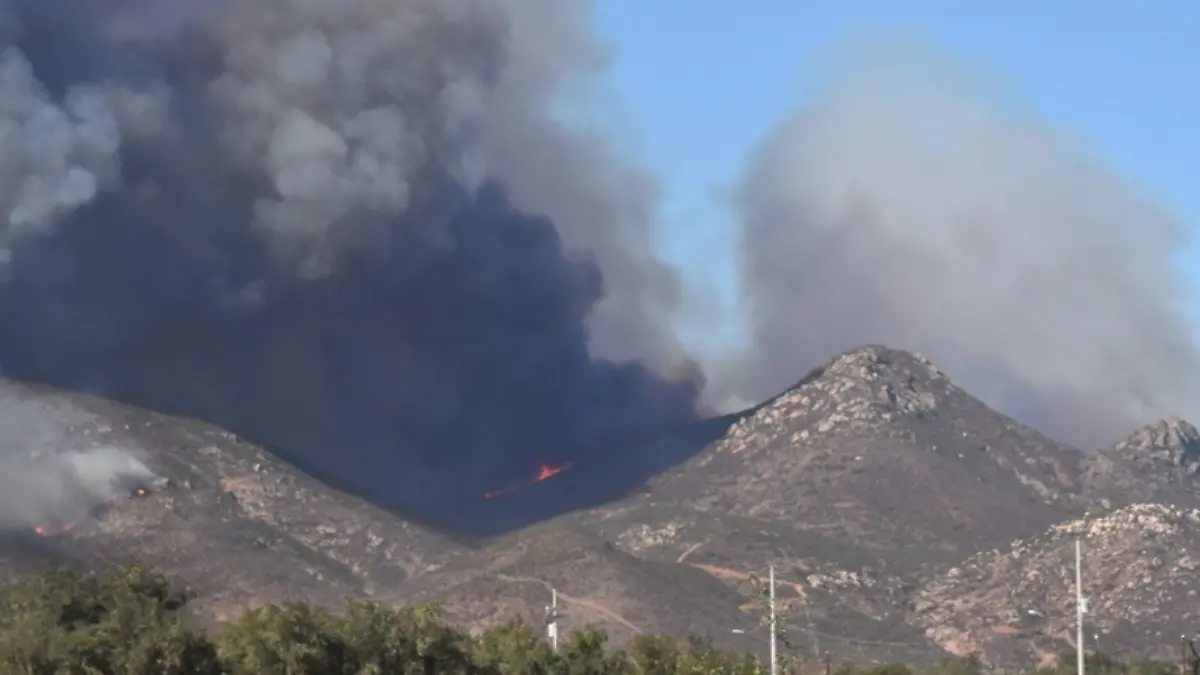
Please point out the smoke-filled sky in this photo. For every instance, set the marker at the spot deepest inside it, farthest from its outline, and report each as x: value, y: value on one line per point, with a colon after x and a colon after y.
x: 390, y: 239
x: 1109, y: 85
x: 354, y: 230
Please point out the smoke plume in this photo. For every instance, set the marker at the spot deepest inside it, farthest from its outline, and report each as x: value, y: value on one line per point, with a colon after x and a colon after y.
x: 912, y: 203
x: 62, y: 488
x: 355, y: 230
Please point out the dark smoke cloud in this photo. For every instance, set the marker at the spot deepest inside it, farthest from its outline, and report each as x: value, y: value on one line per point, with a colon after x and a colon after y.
x: 352, y: 229
x: 913, y: 203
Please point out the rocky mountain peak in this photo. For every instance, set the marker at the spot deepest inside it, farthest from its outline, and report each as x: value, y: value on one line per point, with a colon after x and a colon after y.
x: 872, y: 362
x: 859, y: 388
x: 868, y: 382
x: 1171, y: 440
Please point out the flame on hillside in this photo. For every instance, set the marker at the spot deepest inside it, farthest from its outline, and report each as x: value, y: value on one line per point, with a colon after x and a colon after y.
x: 544, y: 471
x: 46, y: 530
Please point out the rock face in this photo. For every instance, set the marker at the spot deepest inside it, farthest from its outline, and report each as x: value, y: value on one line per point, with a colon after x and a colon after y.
x: 1017, y: 604
x: 1171, y: 441
x: 1158, y: 462
x: 906, y: 520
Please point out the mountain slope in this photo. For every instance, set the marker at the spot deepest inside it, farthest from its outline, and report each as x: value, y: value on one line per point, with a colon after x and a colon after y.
x: 867, y: 486
x: 880, y: 451
x: 872, y: 473
x: 596, y: 582
x: 232, y: 520
x: 1016, y: 604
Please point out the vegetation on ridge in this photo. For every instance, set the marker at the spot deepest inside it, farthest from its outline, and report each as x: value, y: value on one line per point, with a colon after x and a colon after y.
x: 130, y: 621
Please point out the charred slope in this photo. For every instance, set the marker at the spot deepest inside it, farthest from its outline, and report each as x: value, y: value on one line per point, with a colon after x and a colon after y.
x: 611, y: 468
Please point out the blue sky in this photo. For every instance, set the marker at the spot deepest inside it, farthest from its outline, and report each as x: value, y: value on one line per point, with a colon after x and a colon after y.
x: 701, y: 81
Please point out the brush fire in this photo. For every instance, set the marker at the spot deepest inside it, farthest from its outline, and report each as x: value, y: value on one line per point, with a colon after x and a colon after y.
x: 545, y: 471
x: 48, y: 530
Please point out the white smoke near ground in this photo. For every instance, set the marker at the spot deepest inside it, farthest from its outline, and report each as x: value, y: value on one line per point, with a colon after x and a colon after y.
x: 62, y: 488
x: 912, y: 202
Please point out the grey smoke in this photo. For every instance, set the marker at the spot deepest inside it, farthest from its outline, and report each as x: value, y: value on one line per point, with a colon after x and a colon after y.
x: 915, y: 203
x: 53, y: 490
x: 359, y: 231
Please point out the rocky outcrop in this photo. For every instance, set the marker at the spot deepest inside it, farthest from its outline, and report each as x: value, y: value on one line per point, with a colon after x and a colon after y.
x: 1171, y: 441
x: 1016, y: 605
x: 1158, y: 462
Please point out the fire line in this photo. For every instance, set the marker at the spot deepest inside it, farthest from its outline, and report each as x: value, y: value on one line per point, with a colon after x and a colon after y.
x: 544, y: 471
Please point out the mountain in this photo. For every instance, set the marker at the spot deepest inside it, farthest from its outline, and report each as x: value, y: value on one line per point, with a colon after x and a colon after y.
x: 878, y: 450
x: 903, y: 516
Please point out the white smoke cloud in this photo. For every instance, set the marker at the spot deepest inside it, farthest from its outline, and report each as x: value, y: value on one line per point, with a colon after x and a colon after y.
x: 56, y: 158
x: 62, y: 488
x: 913, y: 202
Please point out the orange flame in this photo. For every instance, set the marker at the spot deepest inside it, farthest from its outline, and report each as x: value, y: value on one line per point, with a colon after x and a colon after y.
x: 544, y: 471
x: 45, y: 531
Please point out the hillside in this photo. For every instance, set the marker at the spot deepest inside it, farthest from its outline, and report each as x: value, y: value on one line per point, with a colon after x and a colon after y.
x: 868, y: 485
x: 1017, y: 603
x: 879, y: 450
x: 229, y: 518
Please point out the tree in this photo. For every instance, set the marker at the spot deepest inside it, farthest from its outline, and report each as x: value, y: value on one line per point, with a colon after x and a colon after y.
x: 701, y: 658
x: 656, y: 655
x: 958, y: 665
x: 290, y: 639
x: 586, y: 652
x: 513, y: 649
x: 127, y: 620
x: 408, y: 641
x: 131, y: 621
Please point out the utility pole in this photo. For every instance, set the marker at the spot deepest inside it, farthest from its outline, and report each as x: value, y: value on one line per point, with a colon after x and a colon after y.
x: 1079, y: 605
x: 1183, y: 657
x: 816, y: 637
x: 774, y: 660
x: 552, y: 620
